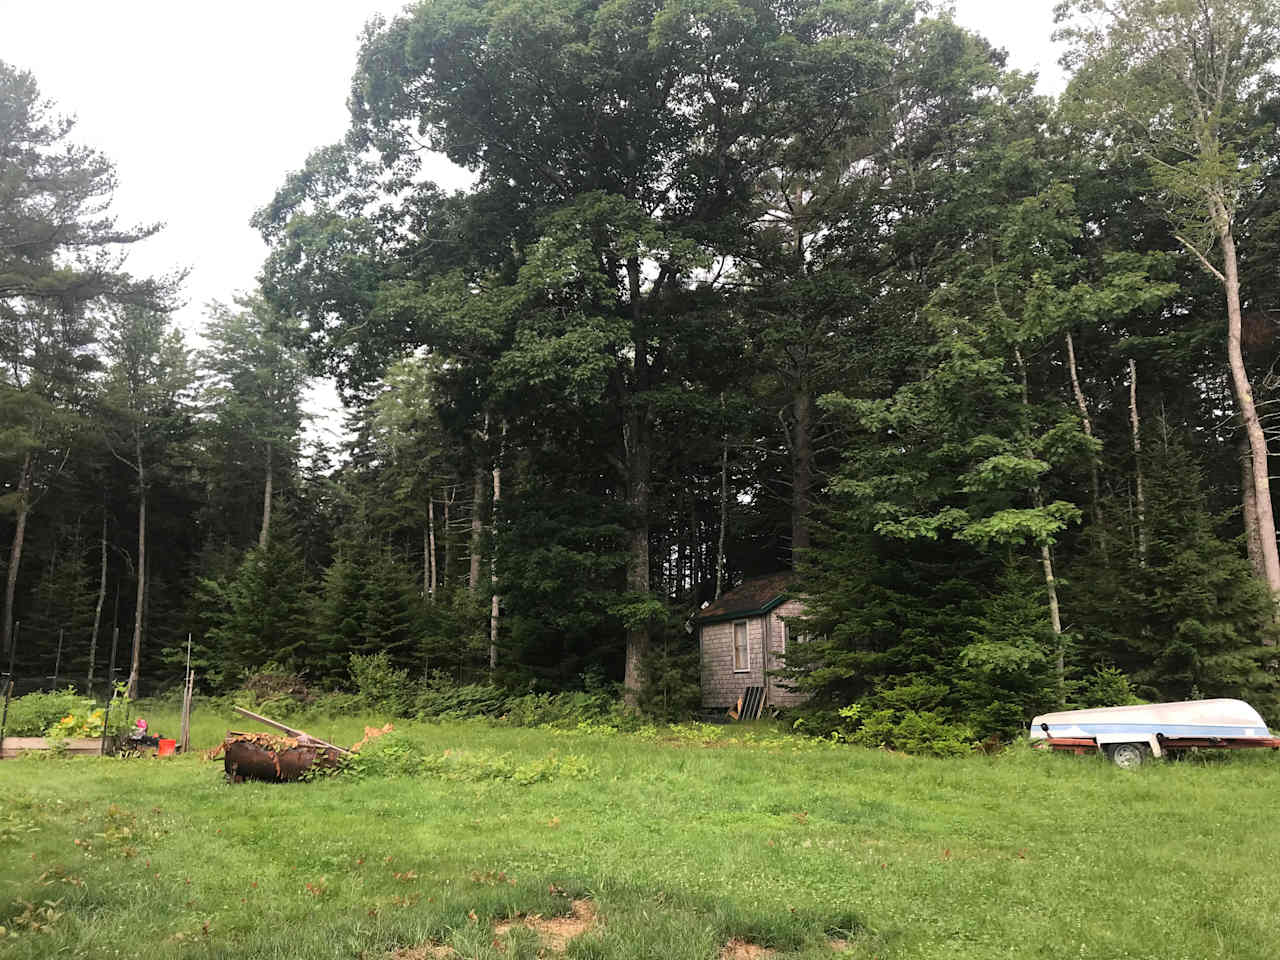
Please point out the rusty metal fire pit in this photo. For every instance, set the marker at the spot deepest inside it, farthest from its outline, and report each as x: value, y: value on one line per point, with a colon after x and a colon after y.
x: 264, y: 756
x: 274, y: 758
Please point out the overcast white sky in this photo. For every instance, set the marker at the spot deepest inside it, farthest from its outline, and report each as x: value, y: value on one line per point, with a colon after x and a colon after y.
x: 204, y: 108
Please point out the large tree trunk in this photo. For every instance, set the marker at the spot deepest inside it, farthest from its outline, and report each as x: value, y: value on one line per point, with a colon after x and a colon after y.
x: 682, y: 541
x: 477, y: 528
x: 695, y: 550
x: 1055, y: 621
x: 1140, y: 501
x: 429, y: 548
x: 1095, y: 509
x: 637, y: 554
x: 1252, y: 541
x: 448, y: 538
x: 265, y: 536
x: 638, y: 459
x: 102, y: 597
x: 140, y: 598
x: 801, y: 471
x: 493, y: 569
x: 21, y: 509
x: 1248, y: 412
x: 1046, y: 562
x: 724, y: 516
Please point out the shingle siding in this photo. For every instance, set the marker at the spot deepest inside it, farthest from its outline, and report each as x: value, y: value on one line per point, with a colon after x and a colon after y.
x: 721, y: 685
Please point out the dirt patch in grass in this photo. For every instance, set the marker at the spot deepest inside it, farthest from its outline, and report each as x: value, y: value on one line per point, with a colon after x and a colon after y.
x: 839, y: 946
x: 737, y: 949
x: 555, y: 932
x: 424, y: 951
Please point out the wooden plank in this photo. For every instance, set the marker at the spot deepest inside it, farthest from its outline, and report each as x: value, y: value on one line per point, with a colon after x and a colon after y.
x: 77, y: 746
x: 184, y: 739
x: 300, y: 734
x: 750, y: 704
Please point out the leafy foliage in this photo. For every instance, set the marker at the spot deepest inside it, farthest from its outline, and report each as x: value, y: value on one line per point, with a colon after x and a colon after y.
x: 737, y: 284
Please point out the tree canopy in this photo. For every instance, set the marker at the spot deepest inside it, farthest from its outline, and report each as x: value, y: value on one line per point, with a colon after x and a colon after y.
x: 739, y: 286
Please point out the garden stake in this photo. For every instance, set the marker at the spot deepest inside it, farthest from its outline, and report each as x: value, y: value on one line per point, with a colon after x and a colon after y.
x: 8, y: 687
x: 4, y: 718
x: 111, y: 682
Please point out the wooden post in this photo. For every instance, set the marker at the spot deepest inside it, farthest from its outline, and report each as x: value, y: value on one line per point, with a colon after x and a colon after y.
x: 111, y: 683
x: 8, y: 686
x: 57, y: 660
x: 184, y: 741
x: 185, y: 735
x: 97, y: 612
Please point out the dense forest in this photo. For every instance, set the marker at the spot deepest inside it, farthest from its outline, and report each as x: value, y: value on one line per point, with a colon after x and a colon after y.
x: 740, y: 285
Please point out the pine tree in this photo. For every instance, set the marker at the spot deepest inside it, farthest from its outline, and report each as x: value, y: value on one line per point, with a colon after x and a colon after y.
x: 339, y: 618
x: 1007, y: 670
x: 63, y: 606
x: 1192, y: 621
x: 263, y: 613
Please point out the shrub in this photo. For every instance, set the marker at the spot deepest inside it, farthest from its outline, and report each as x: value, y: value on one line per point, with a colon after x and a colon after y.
x: 87, y: 720
x: 393, y: 755
x: 442, y: 702
x: 672, y: 688
x: 273, y: 682
x: 380, y: 686
x: 60, y: 714
x: 1106, y: 687
x: 924, y: 732
x: 558, y: 709
x: 32, y: 715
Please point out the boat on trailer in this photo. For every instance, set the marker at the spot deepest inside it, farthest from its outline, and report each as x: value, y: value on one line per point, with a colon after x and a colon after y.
x: 1129, y: 735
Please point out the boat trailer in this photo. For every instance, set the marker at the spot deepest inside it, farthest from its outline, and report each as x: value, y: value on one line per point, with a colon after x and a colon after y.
x: 1129, y: 735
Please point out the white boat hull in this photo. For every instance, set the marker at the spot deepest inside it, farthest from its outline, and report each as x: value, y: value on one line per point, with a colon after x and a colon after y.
x: 1154, y: 723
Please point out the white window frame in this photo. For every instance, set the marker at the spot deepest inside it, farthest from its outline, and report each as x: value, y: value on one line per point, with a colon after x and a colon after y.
x: 789, y: 637
x: 746, y: 645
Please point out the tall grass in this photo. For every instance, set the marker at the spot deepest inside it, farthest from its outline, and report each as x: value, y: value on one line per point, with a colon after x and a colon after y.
x: 683, y: 838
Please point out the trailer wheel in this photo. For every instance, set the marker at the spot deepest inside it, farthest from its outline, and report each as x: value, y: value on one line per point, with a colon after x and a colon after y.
x: 1130, y: 755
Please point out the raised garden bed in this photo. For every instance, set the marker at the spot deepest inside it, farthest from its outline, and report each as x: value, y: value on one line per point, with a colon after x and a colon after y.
x: 77, y: 746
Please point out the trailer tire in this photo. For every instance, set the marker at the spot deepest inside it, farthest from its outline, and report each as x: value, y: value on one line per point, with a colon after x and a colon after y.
x: 1129, y: 756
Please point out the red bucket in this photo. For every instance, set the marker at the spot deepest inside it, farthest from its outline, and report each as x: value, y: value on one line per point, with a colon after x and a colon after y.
x: 165, y: 748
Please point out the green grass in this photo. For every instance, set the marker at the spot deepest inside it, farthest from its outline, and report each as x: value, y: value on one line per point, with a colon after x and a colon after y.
x: 682, y: 846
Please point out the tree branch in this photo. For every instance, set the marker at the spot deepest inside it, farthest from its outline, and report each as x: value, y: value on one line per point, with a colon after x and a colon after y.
x: 1201, y: 257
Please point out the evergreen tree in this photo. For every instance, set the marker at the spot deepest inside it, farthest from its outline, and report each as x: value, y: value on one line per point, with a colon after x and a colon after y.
x: 262, y: 613
x: 253, y: 382
x: 61, y: 261
x: 63, y: 606
x: 148, y: 417
x: 1191, y: 622
x: 339, y: 618
x: 1007, y: 670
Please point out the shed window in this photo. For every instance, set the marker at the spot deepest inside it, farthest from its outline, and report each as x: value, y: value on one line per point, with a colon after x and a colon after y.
x: 741, y: 652
x: 789, y: 636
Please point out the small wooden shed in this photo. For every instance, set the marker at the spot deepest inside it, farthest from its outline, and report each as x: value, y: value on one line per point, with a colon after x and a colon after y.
x: 742, y: 636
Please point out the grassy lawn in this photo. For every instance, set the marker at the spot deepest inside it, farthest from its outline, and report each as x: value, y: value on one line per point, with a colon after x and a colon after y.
x: 681, y: 847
